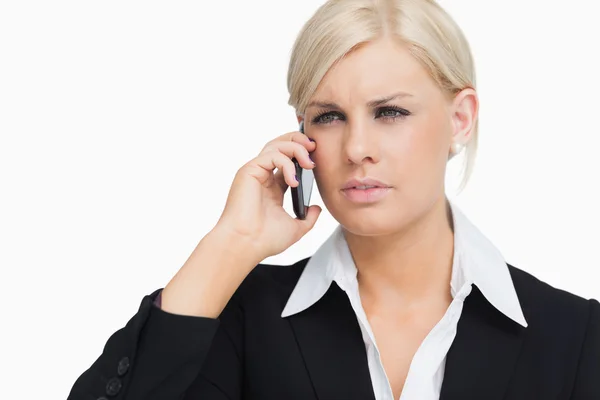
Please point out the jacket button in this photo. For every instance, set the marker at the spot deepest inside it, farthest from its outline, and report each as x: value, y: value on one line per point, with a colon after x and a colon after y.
x: 123, y: 366
x: 113, y: 386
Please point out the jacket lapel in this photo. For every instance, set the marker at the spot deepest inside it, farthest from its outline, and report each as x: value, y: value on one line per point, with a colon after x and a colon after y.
x: 484, y: 353
x: 331, y: 343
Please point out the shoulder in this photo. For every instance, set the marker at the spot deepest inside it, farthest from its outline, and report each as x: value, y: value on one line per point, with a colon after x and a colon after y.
x: 269, y: 285
x: 563, y: 330
x: 556, y: 312
x: 537, y: 296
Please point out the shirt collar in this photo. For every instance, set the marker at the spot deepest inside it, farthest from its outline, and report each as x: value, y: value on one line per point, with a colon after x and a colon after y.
x: 476, y: 260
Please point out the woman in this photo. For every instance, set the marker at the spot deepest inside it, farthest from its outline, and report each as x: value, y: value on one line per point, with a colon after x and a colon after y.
x: 407, y: 299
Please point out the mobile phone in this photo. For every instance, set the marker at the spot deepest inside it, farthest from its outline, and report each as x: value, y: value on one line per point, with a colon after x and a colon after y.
x: 301, y: 193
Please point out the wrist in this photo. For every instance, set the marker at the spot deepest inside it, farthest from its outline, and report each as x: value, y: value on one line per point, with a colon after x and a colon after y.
x: 211, y: 275
x: 243, y: 248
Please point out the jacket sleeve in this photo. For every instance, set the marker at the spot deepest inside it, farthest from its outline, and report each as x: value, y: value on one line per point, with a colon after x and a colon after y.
x: 159, y: 355
x: 587, y: 381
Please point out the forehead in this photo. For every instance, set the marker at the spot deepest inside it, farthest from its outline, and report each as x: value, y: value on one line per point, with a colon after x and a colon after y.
x: 375, y: 69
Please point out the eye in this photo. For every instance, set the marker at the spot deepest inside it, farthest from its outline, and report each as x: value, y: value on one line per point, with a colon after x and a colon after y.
x: 392, y: 112
x: 387, y: 113
x: 327, y: 117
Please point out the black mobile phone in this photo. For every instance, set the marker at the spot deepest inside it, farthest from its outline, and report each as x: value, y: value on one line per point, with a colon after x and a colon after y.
x: 301, y: 193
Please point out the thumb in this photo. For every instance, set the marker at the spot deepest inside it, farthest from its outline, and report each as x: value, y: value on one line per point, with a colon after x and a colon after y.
x: 311, y: 218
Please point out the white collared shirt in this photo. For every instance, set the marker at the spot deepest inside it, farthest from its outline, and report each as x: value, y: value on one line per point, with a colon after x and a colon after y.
x: 476, y: 260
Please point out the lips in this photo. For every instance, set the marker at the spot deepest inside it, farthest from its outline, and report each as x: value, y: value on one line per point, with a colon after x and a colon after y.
x: 364, y: 184
x: 365, y: 191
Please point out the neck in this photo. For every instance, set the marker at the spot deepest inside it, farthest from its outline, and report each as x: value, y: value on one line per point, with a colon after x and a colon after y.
x: 411, y: 265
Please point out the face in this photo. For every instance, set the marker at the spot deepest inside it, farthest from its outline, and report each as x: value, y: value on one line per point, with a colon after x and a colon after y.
x: 384, y: 131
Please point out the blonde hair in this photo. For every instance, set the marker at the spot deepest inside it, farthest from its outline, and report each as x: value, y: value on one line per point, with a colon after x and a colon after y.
x: 339, y: 26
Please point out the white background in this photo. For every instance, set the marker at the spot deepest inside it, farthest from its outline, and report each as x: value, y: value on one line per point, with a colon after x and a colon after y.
x: 123, y: 123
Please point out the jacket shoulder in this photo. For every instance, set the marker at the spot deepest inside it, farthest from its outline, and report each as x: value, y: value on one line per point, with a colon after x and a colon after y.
x: 553, y: 313
x: 540, y: 299
x: 268, y: 282
x: 563, y: 330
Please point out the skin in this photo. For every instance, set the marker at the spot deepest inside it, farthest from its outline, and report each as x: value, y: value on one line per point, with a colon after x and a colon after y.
x: 403, y: 244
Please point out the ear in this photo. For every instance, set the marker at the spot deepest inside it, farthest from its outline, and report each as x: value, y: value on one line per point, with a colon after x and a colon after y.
x: 300, y: 118
x: 465, y: 110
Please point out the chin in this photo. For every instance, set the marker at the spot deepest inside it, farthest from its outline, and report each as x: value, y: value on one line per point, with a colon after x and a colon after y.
x: 368, y: 221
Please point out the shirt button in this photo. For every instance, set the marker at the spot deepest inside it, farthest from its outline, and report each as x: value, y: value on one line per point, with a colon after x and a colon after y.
x: 113, y: 386
x: 123, y: 366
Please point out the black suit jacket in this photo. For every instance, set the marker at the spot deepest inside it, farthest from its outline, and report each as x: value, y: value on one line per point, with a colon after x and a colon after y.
x: 251, y: 352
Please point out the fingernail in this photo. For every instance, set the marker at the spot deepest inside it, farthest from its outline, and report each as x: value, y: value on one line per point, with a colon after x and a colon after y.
x: 296, y: 176
x: 311, y: 139
x: 311, y: 160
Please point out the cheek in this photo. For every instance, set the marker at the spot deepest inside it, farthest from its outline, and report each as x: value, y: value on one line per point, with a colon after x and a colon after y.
x: 428, y: 141
x: 328, y: 163
x: 326, y: 159
x: 418, y: 156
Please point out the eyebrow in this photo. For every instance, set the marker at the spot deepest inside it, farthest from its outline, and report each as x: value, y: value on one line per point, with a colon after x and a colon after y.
x: 373, y: 103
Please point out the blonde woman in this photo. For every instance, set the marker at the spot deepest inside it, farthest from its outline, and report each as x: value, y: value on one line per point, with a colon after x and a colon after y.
x: 407, y: 299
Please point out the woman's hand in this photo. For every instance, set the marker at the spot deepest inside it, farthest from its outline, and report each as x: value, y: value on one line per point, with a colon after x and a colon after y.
x: 253, y: 226
x: 254, y: 208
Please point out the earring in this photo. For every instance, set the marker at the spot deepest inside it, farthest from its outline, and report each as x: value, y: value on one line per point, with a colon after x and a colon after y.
x: 456, y: 148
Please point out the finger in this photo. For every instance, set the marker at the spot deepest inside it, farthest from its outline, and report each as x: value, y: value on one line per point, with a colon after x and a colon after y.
x: 293, y: 150
x: 267, y: 162
x: 308, y: 223
x: 279, y: 179
x: 295, y: 136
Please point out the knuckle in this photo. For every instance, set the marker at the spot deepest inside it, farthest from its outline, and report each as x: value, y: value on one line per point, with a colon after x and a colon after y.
x: 270, y: 153
x: 296, y: 148
x: 287, y: 145
x: 289, y: 142
x: 294, y: 136
x: 268, y: 147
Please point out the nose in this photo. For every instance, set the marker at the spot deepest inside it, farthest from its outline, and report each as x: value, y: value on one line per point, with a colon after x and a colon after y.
x: 360, y: 143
